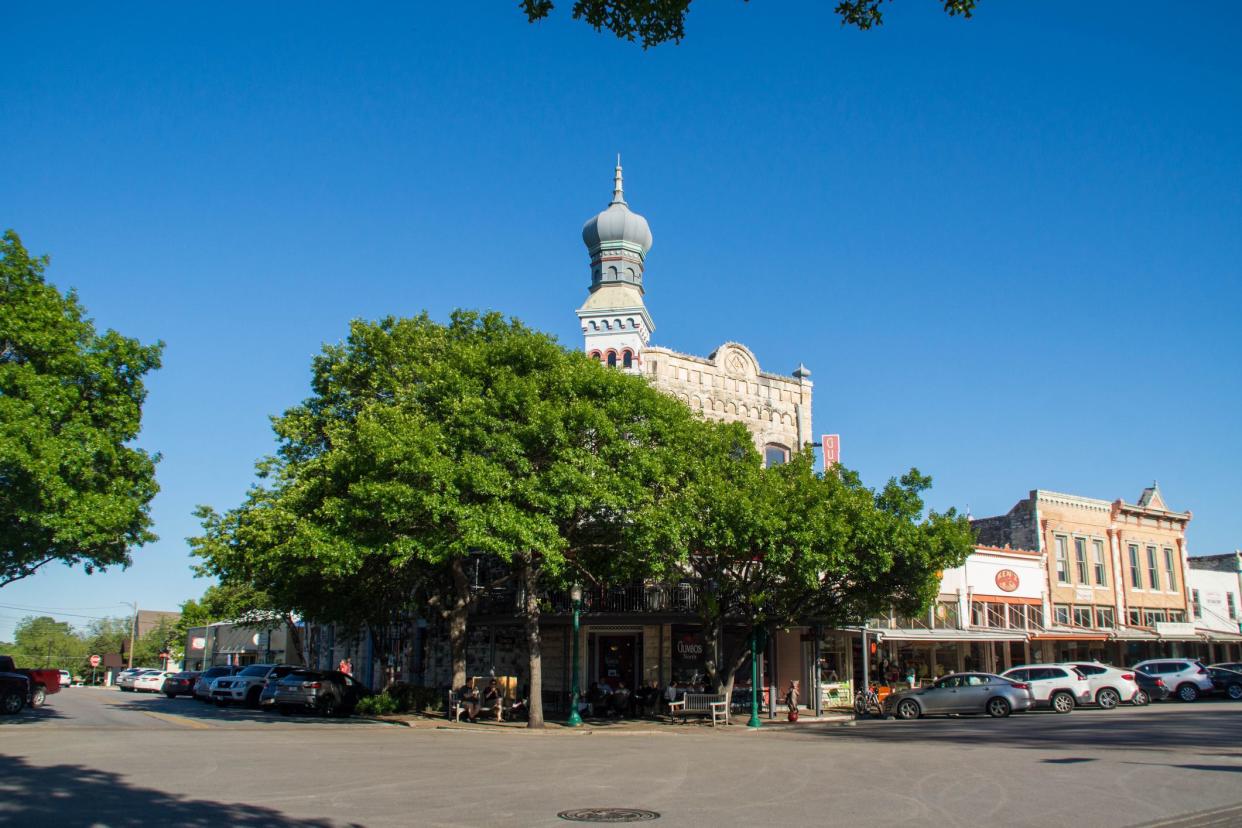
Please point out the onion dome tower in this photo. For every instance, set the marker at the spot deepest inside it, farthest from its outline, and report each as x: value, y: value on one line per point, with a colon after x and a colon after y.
x: 615, y: 323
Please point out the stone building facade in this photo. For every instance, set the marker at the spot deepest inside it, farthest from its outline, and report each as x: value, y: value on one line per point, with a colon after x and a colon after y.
x: 1117, y: 571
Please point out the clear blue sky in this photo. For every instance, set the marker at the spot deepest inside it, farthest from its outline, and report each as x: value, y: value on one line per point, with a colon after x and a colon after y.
x: 1007, y: 247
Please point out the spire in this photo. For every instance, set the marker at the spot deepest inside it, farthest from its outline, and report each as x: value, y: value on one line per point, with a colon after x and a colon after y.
x: 618, y: 194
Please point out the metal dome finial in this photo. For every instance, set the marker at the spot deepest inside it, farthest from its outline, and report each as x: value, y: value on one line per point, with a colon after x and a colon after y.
x: 618, y: 191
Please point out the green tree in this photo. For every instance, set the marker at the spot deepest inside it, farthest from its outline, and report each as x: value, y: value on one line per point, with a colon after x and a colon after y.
x: 159, y: 639
x: 103, y: 636
x: 45, y: 642
x: 72, y: 489
x: 781, y: 546
x: 425, y: 444
x: 657, y: 21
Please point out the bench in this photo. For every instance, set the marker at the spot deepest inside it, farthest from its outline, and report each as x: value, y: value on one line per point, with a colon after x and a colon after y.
x: 456, y: 708
x: 702, y: 704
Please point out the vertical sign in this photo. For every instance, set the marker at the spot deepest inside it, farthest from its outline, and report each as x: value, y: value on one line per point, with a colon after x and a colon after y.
x: 832, y: 450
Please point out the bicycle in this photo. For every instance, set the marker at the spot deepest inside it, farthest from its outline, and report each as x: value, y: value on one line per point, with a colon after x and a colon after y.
x: 867, y: 703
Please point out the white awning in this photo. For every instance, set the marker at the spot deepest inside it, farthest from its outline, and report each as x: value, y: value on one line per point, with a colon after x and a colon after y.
x: 950, y: 636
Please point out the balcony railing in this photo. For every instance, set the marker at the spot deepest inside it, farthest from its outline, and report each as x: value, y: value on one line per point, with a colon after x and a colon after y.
x: 638, y: 599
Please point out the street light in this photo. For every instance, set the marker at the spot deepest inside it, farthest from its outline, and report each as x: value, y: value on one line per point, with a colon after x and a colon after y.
x: 575, y: 597
x: 754, y: 679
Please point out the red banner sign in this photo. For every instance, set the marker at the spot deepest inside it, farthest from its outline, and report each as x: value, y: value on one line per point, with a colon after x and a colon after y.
x: 832, y: 450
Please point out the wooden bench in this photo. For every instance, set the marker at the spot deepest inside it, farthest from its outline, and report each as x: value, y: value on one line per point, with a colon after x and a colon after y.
x: 715, y: 705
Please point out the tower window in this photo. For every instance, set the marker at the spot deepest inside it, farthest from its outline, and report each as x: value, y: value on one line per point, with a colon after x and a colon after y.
x: 627, y: 359
x: 774, y: 455
x: 595, y: 355
x: 612, y: 359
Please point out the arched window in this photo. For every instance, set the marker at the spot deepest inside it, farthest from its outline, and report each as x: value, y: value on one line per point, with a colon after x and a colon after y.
x: 775, y: 455
x: 612, y: 359
x: 627, y: 358
x: 597, y: 356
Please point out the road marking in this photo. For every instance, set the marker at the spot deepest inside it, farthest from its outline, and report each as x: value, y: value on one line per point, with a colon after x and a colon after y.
x: 180, y: 721
x: 1223, y: 817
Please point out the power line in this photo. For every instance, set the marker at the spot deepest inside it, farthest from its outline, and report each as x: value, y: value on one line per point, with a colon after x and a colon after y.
x: 56, y: 612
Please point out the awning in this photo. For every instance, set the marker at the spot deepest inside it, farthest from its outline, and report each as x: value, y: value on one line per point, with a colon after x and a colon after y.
x: 1219, y: 635
x: 1067, y: 634
x: 949, y: 636
x: 1132, y: 634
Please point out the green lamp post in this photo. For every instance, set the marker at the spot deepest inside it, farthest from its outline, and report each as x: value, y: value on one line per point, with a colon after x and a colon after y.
x: 754, y: 680
x: 575, y: 597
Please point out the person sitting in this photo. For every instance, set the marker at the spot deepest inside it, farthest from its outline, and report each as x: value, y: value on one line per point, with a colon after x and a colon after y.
x: 619, y: 701
x: 468, y: 695
x: 648, y: 699
x: 494, y: 697
x: 596, y: 699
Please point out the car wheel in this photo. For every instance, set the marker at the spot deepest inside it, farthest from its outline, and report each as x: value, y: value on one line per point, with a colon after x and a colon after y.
x: 1141, y: 699
x: 1062, y: 702
x: 252, y: 698
x: 11, y: 702
x: 1234, y: 691
x: 327, y: 706
x: 1108, y: 698
x: 285, y: 710
x: 1188, y: 692
x: 998, y: 708
x: 171, y: 695
x: 38, y: 696
x: 907, y: 709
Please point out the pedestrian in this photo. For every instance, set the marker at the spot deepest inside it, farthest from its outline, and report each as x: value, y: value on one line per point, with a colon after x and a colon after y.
x: 346, y: 666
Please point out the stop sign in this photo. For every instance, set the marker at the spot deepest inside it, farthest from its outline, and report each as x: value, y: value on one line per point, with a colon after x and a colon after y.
x: 94, y: 661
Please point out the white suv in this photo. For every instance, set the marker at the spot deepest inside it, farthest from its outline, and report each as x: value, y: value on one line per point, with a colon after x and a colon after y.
x: 246, y: 687
x: 1110, y: 686
x: 1186, y: 677
x: 1058, y: 686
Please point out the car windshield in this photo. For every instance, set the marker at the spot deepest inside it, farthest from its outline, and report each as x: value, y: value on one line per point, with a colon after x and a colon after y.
x: 256, y: 670
x: 304, y: 675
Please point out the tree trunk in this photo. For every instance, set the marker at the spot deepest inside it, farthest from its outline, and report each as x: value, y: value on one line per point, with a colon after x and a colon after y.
x: 293, y: 639
x: 530, y: 614
x: 712, y: 635
x: 457, y: 614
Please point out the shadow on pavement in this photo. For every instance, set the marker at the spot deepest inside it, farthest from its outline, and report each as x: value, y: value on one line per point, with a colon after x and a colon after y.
x: 1199, y: 728
x: 78, y: 795
x: 206, y: 711
x: 31, y: 716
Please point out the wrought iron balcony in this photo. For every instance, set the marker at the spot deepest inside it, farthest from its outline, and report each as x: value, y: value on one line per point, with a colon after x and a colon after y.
x: 637, y: 599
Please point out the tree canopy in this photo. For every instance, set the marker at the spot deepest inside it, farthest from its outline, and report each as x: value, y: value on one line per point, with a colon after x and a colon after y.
x: 658, y: 21
x: 72, y: 488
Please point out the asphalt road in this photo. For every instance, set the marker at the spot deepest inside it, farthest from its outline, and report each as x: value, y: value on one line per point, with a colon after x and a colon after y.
x: 103, y: 758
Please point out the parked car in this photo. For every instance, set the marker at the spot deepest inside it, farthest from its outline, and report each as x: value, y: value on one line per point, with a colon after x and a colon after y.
x: 66, y: 678
x: 247, y: 686
x: 267, y: 698
x: 327, y: 692
x: 961, y: 693
x: 1236, y: 666
x: 179, y: 684
x: 14, y: 692
x: 1110, y: 686
x: 1186, y: 677
x: 1151, y: 688
x: 126, y: 678
x: 202, y: 686
x: 151, y: 681
x: 1059, y: 687
x: 1226, y: 682
x: 43, y: 683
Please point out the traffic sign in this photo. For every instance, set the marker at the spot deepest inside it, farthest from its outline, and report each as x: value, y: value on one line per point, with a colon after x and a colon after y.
x: 95, y: 661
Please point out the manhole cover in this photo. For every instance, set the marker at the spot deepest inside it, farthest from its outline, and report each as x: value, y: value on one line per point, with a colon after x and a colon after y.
x: 609, y: 815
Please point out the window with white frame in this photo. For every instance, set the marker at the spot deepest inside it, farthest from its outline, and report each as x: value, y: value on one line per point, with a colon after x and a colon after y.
x: 1175, y: 616
x: 1104, y: 618
x: 1101, y: 572
x: 1080, y: 559
x: 1063, y: 576
x: 996, y: 615
x: 1136, y: 574
x: 1195, y: 607
x: 1017, y: 616
x: 1061, y: 612
x: 1035, y: 616
x: 1135, y: 618
x: 1153, y: 617
x: 1082, y: 616
x: 1169, y: 569
x: 1153, y: 571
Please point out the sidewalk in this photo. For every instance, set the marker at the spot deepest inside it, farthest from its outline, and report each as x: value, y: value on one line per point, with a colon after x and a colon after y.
x: 438, y: 721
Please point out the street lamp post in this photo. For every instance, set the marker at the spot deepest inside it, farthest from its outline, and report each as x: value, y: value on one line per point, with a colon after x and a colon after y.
x: 575, y: 597
x: 754, y: 681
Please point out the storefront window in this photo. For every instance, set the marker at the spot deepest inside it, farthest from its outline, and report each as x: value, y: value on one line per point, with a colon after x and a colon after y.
x: 996, y: 615
x: 1082, y: 616
x: 1017, y: 616
x: 1061, y: 613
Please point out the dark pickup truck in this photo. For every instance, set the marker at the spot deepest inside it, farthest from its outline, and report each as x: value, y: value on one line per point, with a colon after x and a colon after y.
x: 43, y: 683
x: 14, y: 691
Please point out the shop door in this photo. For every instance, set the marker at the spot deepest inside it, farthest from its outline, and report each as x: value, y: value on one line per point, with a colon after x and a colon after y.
x: 617, y: 660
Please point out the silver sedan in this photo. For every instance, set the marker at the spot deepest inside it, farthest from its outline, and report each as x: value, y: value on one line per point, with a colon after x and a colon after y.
x: 962, y: 693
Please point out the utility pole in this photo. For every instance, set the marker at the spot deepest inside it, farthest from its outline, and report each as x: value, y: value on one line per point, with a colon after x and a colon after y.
x: 133, y: 633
